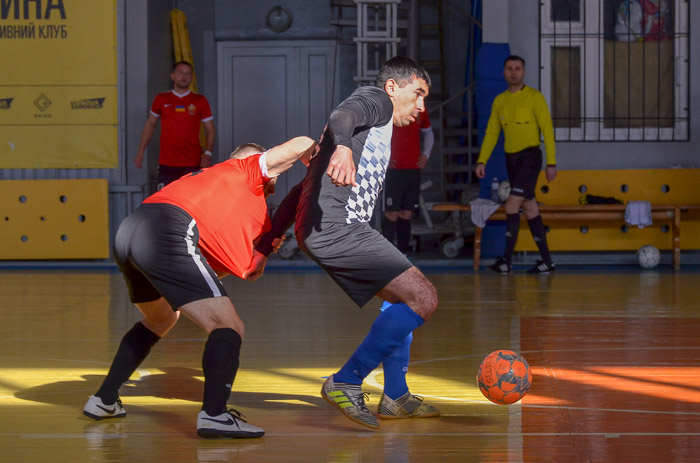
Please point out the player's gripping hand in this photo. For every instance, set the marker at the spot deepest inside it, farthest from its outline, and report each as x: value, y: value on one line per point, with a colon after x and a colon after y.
x: 256, y: 268
x: 341, y: 168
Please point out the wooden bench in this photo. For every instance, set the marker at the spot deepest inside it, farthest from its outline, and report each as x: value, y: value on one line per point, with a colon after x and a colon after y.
x: 552, y: 214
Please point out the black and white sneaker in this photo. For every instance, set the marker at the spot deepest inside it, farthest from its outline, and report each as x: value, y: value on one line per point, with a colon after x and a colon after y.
x: 228, y: 424
x: 501, y: 266
x: 98, y: 410
x: 541, y: 267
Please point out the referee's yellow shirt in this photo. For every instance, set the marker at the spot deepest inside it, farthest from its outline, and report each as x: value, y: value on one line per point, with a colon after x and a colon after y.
x: 522, y: 116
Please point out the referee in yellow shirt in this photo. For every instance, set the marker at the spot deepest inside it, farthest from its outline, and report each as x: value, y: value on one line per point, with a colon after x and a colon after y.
x: 522, y: 113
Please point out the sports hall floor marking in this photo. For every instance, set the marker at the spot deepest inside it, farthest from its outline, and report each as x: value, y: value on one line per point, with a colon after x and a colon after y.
x: 515, y: 412
x: 363, y: 434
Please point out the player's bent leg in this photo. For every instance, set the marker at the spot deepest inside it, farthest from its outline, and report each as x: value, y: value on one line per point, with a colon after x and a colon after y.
x: 220, y: 364
x: 133, y: 349
x: 396, y: 365
x: 344, y: 389
x: 159, y: 316
x: 213, y: 313
x: 397, y: 401
x: 413, y: 289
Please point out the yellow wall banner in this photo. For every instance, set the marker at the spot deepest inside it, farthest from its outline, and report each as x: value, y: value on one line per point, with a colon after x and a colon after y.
x: 58, y: 91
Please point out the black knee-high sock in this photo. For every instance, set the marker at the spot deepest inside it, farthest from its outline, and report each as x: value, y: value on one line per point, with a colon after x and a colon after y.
x: 133, y: 349
x: 540, y: 236
x: 403, y: 234
x: 220, y: 365
x: 389, y: 229
x: 512, y: 229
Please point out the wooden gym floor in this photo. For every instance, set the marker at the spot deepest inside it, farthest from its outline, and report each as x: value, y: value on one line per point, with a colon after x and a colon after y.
x: 614, y: 353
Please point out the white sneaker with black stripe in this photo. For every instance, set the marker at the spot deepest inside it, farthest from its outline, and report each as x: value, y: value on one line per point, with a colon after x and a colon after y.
x: 541, y: 267
x: 229, y: 424
x: 98, y: 410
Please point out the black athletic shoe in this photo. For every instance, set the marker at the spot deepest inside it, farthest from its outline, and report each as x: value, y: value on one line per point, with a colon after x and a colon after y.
x: 542, y: 267
x: 501, y: 266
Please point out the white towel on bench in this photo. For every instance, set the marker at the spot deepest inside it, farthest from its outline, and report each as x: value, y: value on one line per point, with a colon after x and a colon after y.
x: 638, y: 213
x: 481, y: 211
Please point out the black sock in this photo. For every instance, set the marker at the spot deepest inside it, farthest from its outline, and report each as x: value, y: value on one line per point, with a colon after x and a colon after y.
x: 540, y: 236
x: 389, y: 229
x: 133, y: 349
x: 403, y: 234
x: 512, y: 229
x: 220, y: 365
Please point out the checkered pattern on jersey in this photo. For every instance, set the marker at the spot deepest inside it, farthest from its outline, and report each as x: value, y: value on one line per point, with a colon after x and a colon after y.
x: 370, y: 174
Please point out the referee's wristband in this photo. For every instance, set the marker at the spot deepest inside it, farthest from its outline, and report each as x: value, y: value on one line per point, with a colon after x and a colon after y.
x: 206, y: 153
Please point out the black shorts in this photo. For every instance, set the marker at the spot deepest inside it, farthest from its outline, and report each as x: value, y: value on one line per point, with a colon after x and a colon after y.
x: 168, y: 174
x: 402, y: 190
x: 356, y: 256
x: 523, y: 169
x: 156, y: 250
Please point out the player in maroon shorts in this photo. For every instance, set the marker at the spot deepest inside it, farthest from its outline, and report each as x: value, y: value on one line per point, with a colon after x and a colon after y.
x: 402, y: 184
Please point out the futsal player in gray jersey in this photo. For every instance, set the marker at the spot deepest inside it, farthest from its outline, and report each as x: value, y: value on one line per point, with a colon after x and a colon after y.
x: 335, y: 204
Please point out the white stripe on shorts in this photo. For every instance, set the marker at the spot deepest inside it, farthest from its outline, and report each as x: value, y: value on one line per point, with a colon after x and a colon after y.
x: 198, y: 261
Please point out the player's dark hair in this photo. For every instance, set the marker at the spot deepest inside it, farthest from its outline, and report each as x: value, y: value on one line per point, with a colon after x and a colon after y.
x: 514, y: 58
x: 183, y: 62
x: 245, y: 150
x: 402, y: 70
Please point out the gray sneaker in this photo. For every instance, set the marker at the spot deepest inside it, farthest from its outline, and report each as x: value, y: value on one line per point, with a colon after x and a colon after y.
x: 350, y: 400
x: 406, y: 406
x: 228, y: 424
x: 98, y: 410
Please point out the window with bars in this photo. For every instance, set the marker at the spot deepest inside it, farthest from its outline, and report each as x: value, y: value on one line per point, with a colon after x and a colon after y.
x: 616, y: 70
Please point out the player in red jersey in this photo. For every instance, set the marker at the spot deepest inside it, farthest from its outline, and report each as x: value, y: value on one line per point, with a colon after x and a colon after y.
x: 180, y: 111
x: 402, y: 190
x: 172, y: 251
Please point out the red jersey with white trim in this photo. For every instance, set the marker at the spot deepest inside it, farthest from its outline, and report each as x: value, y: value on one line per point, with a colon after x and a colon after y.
x: 228, y: 203
x: 405, y: 143
x: 180, y: 118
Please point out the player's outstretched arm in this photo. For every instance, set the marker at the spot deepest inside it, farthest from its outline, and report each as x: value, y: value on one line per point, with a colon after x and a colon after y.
x: 282, y: 219
x: 282, y: 157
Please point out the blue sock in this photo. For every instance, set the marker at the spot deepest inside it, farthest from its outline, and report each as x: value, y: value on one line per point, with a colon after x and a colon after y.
x: 387, y: 333
x: 396, y: 365
x: 395, y: 368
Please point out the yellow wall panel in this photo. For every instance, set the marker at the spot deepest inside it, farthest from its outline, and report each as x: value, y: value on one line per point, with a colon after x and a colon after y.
x: 54, y: 219
x: 59, y: 93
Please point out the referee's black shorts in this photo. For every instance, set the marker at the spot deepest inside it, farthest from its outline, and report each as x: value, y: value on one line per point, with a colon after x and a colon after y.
x: 523, y: 169
x: 356, y: 256
x: 156, y: 250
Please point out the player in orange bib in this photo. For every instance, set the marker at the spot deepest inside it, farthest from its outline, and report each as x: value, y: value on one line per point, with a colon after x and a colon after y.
x: 172, y: 251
